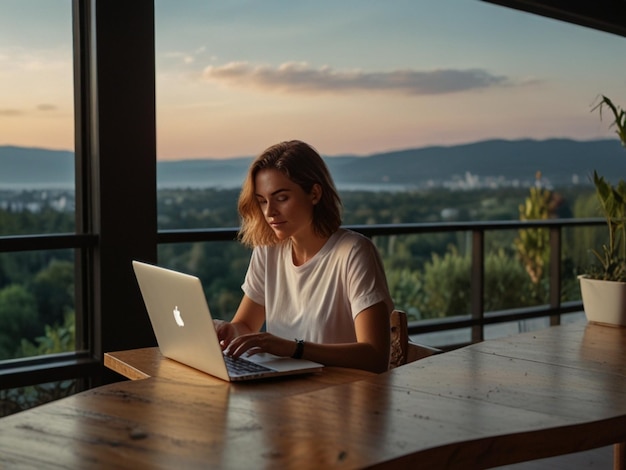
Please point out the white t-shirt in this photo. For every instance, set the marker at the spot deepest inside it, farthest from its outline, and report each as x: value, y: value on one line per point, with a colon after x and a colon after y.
x: 319, y: 300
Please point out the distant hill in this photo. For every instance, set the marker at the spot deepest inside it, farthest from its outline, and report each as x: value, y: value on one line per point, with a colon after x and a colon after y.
x: 225, y: 173
x: 561, y: 161
x: 25, y: 167
x: 557, y: 159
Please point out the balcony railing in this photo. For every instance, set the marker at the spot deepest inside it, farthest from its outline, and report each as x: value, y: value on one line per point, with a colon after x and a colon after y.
x: 58, y: 367
x: 478, y: 318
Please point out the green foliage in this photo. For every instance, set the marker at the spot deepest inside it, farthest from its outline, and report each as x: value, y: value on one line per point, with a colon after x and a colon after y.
x: 427, y: 277
x: 53, y: 288
x: 18, y: 318
x: 446, y: 285
x: 428, y: 274
x: 507, y: 285
x: 612, y: 257
x: 612, y: 199
x: 57, y: 339
x: 47, y: 220
x: 197, y: 208
x: 533, y: 244
x: 443, y: 288
x: 20, y: 324
x: 619, y: 117
x: 33, y: 303
x: 407, y: 291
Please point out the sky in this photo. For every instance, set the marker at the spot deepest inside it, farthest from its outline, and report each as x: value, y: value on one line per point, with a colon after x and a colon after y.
x: 351, y: 77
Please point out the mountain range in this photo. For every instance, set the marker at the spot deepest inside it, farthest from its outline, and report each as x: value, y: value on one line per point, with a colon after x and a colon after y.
x: 560, y: 161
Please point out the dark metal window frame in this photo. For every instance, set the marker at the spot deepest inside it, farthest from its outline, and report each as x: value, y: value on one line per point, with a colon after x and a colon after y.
x: 603, y: 15
x: 115, y: 151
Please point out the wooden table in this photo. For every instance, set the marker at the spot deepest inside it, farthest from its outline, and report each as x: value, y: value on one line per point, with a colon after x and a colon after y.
x: 138, y: 364
x: 531, y: 396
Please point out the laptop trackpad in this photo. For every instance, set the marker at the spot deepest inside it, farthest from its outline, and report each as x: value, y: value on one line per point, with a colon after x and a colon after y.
x: 282, y: 364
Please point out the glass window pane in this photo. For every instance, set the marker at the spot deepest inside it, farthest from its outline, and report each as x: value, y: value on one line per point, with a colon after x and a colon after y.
x: 37, y: 305
x: 358, y: 79
x: 36, y: 117
x: 405, y: 84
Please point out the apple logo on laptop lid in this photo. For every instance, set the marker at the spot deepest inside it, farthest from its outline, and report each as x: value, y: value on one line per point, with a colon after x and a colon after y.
x: 178, y: 317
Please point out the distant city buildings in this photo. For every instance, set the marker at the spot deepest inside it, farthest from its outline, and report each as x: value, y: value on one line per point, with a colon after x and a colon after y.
x: 469, y: 181
x: 63, y: 200
x: 35, y: 201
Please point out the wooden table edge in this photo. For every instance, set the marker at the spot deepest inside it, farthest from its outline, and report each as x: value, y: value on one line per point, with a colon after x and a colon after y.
x: 123, y: 368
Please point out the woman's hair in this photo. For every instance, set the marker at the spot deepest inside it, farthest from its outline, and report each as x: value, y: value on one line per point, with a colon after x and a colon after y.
x: 305, y: 167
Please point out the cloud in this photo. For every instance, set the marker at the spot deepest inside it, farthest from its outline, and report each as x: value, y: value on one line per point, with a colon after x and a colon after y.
x: 46, y: 107
x: 10, y: 112
x: 299, y: 77
x: 187, y: 58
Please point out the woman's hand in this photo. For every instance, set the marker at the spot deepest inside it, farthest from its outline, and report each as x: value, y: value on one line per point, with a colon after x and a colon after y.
x: 226, y: 332
x: 248, y: 319
x: 255, y: 343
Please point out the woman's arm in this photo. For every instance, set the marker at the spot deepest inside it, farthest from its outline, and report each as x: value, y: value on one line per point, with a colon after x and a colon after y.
x: 370, y: 352
x: 248, y: 319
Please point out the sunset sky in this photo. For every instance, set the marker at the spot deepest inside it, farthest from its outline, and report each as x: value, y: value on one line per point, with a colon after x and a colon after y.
x: 349, y: 76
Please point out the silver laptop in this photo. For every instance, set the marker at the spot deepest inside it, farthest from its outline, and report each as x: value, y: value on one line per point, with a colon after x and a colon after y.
x: 184, y: 329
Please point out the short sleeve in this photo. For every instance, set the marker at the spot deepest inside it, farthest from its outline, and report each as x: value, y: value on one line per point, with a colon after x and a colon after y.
x: 254, y: 282
x: 367, y: 283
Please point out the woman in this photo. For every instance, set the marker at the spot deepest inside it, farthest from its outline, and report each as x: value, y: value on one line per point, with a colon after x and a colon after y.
x: 308, y: 279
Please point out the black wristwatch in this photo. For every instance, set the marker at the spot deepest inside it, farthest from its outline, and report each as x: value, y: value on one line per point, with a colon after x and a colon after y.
x: 299, y: 349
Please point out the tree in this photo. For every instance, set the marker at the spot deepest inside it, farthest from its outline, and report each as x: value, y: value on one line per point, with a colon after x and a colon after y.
x: 53, y: 288
x: 533, y: 244
x: 59, y: 338
x: 18, y: 319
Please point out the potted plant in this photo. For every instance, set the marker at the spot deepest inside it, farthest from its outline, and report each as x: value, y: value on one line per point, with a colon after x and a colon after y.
x: 603, y: 288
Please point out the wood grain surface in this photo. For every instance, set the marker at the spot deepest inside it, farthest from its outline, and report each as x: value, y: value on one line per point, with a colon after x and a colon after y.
x: 530, y: 396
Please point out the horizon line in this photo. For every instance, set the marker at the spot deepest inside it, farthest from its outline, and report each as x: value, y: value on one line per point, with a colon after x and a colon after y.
x: 337, y: 155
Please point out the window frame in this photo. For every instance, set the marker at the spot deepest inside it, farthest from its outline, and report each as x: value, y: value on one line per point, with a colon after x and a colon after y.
x: 115, y: 158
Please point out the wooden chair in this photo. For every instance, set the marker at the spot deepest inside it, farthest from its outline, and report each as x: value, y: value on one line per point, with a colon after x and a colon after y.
x: 403, y: 351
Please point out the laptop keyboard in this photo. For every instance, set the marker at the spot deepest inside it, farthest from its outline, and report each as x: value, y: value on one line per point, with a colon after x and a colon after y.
x: 239, y: 366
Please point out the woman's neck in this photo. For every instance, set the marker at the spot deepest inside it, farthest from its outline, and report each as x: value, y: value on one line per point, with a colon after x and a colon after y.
x: 302, y: 250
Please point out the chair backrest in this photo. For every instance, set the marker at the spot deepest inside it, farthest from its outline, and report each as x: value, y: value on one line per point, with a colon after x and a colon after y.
x: 403, y: 350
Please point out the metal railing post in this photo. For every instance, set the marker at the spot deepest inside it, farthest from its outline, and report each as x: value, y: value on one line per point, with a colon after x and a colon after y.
x: 477, y: 283
x: 556, y: 235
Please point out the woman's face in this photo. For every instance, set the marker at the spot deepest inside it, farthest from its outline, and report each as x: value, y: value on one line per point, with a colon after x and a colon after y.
x: 287, y: 208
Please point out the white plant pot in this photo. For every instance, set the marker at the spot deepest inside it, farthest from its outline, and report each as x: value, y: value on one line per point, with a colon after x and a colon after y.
x: 604, y: 301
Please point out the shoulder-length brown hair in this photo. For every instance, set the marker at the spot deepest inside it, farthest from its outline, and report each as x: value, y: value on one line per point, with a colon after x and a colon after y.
x: 304, y: 166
